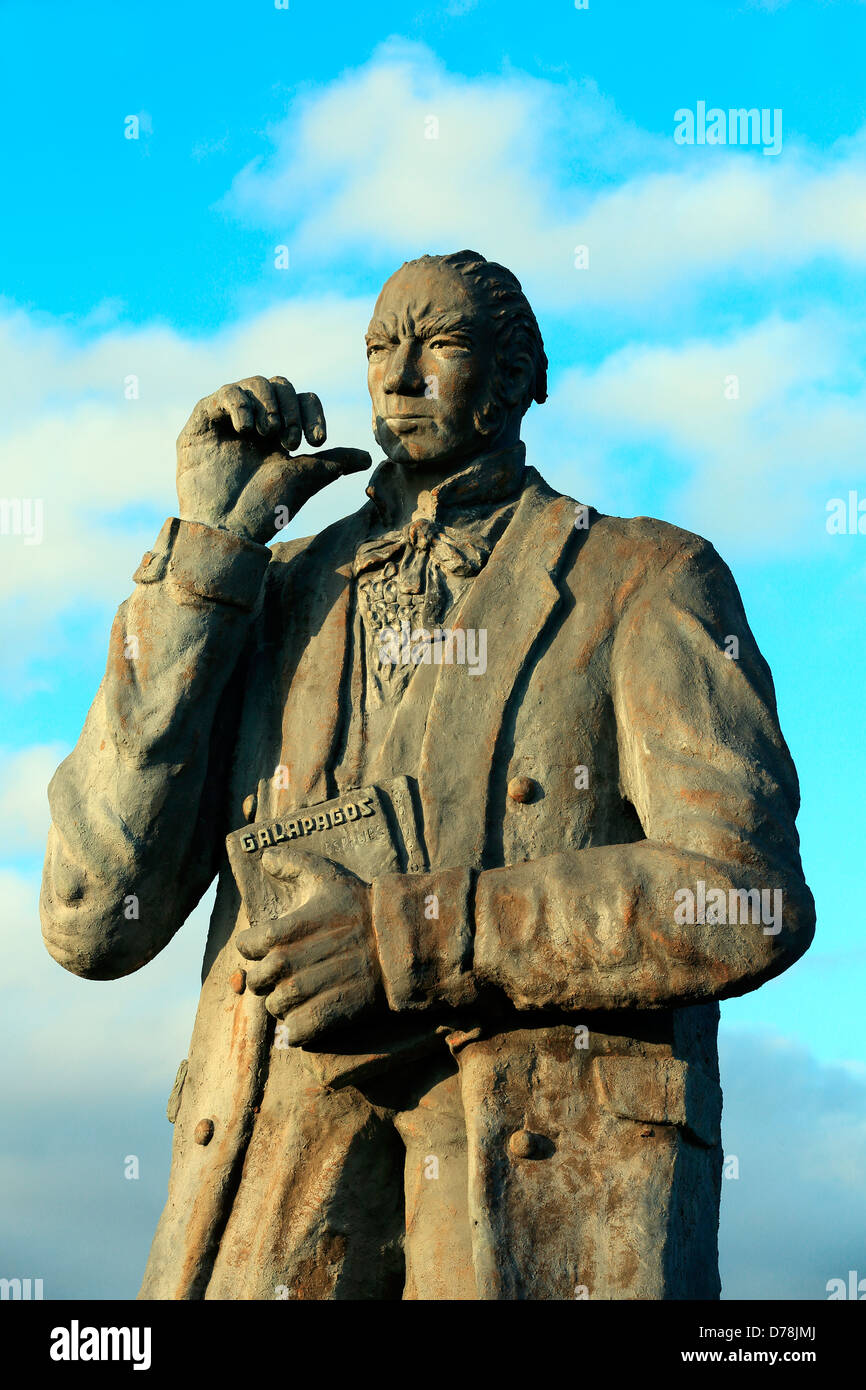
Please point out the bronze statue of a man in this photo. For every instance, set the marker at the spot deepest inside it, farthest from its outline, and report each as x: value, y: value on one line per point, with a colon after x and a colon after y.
x: 499, y: 813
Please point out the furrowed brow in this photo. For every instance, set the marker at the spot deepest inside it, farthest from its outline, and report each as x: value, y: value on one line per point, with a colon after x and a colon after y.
x: 379, y: 331
x: 444, y: 323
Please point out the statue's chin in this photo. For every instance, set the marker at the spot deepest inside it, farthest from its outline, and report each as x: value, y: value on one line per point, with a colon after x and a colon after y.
x: 415, y: 451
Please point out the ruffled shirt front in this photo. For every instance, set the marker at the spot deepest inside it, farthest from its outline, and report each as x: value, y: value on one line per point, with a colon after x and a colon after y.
x: 408, y: 581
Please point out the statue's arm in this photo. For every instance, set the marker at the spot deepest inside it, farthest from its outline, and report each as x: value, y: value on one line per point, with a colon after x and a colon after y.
x: 137, y: 806
x: 705, y: 765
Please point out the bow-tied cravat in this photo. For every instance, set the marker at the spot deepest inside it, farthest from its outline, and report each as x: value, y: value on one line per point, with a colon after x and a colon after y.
x: 402, y: 580
x: 416, y: 576
x: 419, y: 544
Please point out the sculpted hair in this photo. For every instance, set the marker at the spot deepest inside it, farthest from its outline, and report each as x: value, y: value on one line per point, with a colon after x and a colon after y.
x: 517, y: 337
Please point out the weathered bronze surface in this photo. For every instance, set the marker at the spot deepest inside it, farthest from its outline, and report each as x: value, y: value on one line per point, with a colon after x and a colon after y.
x: 458, y: 1041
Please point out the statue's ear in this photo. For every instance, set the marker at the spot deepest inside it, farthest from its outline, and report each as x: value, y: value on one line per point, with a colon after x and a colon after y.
x: 516, y: 376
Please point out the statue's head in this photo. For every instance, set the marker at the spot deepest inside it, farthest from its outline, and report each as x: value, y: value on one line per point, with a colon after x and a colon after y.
x: 455, y: 359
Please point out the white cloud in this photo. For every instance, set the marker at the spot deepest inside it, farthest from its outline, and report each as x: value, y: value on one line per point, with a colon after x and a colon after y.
x: 524, y: 169
x: 24, y: 777
x: 82, y: 1037
x: 756, y: 466
x: 796, y: 1215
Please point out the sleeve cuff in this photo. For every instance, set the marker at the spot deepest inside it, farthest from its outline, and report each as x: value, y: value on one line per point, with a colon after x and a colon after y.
x: 422, y: 924
x: 206, y: 562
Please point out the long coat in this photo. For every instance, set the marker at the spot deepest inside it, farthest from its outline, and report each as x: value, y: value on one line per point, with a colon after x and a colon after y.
x: 590, y: 1091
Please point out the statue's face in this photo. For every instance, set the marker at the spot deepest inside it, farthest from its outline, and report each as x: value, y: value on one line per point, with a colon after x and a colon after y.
x: 430, y: 359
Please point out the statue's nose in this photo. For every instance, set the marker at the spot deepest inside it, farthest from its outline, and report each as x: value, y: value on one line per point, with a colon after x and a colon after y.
x: 403, y: 375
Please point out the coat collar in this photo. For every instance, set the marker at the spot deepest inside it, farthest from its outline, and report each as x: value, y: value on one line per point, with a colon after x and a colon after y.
x: 487, y: 480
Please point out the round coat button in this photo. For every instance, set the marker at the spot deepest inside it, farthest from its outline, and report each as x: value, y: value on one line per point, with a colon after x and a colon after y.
x: 203, y: 1132
x: 524, y: 1144
x: 521, y: 788
x: 249, y: 806
x: 238, y: 981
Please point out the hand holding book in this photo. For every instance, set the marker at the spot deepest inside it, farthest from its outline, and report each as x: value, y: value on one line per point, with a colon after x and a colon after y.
x: 317, y: 961
x: 304, y: 879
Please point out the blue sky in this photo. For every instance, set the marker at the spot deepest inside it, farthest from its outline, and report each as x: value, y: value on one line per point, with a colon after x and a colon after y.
x: 154, y: 258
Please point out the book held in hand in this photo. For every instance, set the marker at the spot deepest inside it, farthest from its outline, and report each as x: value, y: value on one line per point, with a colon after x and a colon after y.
x: 370, y: 831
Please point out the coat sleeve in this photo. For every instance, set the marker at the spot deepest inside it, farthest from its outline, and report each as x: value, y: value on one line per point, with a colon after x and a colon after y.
x: 710, y: 904
x: 137, y: 807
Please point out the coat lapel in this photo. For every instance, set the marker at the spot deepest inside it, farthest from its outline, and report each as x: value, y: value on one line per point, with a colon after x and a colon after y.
x: 512, y: 598
x: 315, y: 605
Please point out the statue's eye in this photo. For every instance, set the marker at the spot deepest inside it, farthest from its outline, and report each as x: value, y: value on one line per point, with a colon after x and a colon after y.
x: 454, y: 344
x: 374, y: 348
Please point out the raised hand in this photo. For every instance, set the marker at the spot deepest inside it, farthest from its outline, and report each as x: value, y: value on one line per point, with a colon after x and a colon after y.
x: 234, y: 466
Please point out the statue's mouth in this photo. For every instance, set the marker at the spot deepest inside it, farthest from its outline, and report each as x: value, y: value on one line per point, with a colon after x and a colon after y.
x: 404, y: 422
